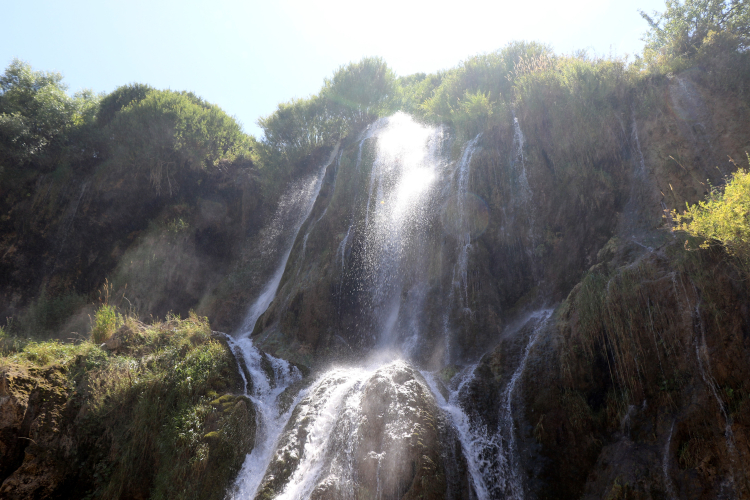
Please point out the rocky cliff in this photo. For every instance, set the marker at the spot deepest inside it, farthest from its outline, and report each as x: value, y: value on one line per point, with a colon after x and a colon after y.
x: 559, y: 340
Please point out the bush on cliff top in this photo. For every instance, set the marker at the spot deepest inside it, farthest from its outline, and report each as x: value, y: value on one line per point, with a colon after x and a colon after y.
x: 680, y: 32
x: 169, y: 131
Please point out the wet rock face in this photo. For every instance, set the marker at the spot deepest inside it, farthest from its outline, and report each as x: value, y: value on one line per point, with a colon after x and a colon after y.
x: 675, y: 429
x: 363, y: 434
x: 32, y: 462
x: 399, y: 450
x: 12, y: 411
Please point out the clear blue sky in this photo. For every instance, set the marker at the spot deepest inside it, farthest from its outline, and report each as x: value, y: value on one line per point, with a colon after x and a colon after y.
x: 247, y: 56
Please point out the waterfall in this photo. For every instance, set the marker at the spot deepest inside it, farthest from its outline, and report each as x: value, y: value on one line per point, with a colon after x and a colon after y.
x: 343, y: 441
x: 353, y: 429
x: 267, y: 384
x: 270, y: 420
x: 518, y: 159
x: 701, y: 353
x: 461, y: 226
x: 401, y: 204
x: 641, y: 159
x: 518, y: 165
x: 474, y: 437
x: 312, y: 225
x: 492, y: 456
x: 509, y: 467
x: 293, y: 210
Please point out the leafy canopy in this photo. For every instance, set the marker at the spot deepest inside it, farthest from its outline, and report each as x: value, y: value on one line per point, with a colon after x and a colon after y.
x: 119, y: 98
x: 38, y: 117
x: 478, y: 92
x: 685, y: 26
x: 355, y: 95
x: 167, y: 131
x: 358, y: 92
x: 723, y: 217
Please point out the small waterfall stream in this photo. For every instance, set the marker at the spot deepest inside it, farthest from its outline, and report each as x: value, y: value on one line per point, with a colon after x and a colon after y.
x: 267, y: 384
x: 701, y: 353
x: 509, y: 466
x: 665, y: 466
x: 460, y: 225
x: 492, y: 455
x: 519, y: 162
x: 474, y: 437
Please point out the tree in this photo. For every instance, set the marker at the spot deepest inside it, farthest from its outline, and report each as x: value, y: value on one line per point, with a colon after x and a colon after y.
x: 480, y: 88
x: 119, y: 98
x: 37, y: 115
x: 300, y: 125
x: 167, y: 132
x: 360, y: 92
x: 355, y: 95
x: 685, y: 26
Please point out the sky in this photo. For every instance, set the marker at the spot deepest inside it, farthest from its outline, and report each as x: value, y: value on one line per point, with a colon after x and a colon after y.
x: 248, y: 56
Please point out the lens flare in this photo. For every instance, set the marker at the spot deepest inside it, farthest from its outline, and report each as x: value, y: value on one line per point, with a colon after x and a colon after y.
x: 465, y: 213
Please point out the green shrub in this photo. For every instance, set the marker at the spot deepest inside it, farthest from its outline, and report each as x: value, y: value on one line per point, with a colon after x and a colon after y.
x: 167, y: 132
x: 121, y: 97
x: 106, y: 320
x: 681, y: 31
x: 478, y: 93
x: 360, y: 92
x: 9, y: 343
x: 51, y: 351
x: 38, y: 117
x: 723, y: 218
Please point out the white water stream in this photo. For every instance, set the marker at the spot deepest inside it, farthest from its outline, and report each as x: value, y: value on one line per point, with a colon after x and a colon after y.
x: 491, y: 454
x: 701, y: 352
x: 519, y: 162
x: 668, y: 485
x: 267, y: 384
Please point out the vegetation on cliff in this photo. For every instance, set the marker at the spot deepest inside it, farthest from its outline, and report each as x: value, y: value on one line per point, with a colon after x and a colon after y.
x: 724, y: 217
x: 689, y: 28
x: 151, y: 413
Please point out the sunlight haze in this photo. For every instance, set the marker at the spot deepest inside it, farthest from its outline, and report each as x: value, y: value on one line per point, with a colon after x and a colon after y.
x: 249, y: 56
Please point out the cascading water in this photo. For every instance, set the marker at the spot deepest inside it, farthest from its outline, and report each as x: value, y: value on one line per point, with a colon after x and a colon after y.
x: 701, y: 353
x: 665, y: 466
x: 401, y: 207
x: 509, y: 467
x: 522, y: 195
x: 293, y: 210
x: 268, y: 382
x: 519, y: 163
x: 704, y: 368
x: 461, y: 226
x: 637, y: 140
x: 474, y: 437
x: 492, y: 455
x: 351, y: 432
x: 270, y: 419
x: 325, y: 210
